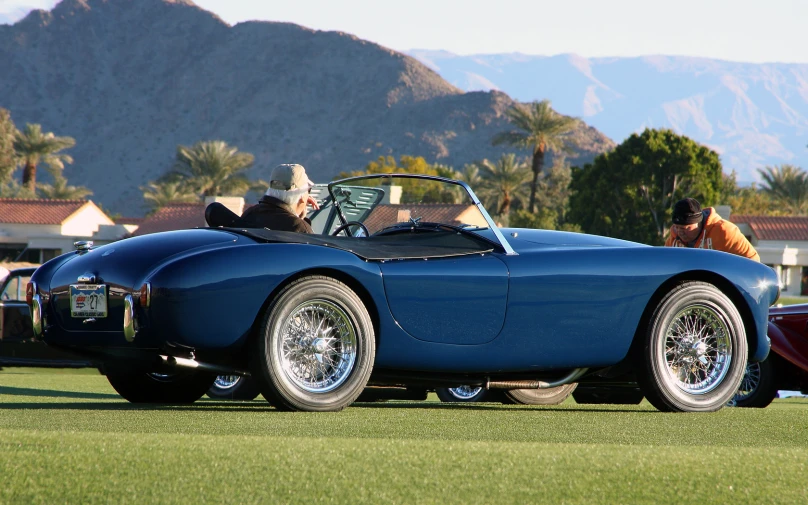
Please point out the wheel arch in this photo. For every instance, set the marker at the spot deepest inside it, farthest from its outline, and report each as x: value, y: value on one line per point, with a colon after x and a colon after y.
x: 333, y: 273
x: 720, y: 282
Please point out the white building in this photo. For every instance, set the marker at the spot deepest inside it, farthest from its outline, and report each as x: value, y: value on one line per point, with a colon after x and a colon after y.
x: 35, y: 231
x: 782, y: 243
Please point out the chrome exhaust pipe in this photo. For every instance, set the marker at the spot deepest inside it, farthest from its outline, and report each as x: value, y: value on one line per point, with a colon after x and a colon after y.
x: 536, y: 384
x: 207, y: 367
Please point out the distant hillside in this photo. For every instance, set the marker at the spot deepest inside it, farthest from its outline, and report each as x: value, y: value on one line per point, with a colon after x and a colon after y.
x: 753, y: 114
x: 132, y: 79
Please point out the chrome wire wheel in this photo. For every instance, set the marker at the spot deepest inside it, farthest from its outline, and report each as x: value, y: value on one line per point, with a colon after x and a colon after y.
x: 697, y: 349
x: 317, y: 346
x: 750, y: 382
x: 226, y: 382
x: 465, y: 392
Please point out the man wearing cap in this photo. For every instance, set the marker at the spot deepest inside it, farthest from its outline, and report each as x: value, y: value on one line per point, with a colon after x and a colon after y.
x: 283, y: 207
x: 705, y: 229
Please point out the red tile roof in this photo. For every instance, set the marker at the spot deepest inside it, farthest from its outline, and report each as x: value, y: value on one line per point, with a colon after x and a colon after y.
x: 34, y: 211
x: 130, y: 220
x: 174, y: 216
x: 775, y: 227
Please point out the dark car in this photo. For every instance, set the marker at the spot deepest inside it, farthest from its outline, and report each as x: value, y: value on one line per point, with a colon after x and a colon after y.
x: 17, y: 344
x: 416, y: 285
x: 786, y: 368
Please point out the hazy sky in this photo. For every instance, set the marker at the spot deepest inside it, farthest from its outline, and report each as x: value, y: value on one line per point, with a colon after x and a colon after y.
x: 738, y: 30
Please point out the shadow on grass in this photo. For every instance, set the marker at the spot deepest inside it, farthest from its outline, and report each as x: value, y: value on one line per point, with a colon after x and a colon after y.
x: 498, y: 407
x: 209, y: 405
x: 51, y: 393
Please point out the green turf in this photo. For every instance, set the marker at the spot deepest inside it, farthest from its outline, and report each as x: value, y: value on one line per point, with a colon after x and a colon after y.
x: 792, y: 300
x: 68, y: 438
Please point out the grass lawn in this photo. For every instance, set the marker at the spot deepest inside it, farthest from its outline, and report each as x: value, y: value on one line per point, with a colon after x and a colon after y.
x: 66, y: 437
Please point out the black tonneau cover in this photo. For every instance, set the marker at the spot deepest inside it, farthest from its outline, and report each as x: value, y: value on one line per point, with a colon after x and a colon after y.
x: 405, y: 245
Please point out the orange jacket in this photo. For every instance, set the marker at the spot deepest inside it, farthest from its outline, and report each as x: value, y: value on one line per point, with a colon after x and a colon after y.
x: 720, y: 235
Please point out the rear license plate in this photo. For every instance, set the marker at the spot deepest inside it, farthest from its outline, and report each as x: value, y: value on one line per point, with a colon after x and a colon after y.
x: 88, y: 300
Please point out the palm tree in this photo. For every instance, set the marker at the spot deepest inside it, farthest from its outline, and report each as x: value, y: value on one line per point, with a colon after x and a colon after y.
x: 787, y: 185
x: 32, y: 146
x: 8, y: 160
x: 504, y: 182
x: 212, y: 168
x: 540, y: 128
x: 60, y: 190
x: 160, y: 194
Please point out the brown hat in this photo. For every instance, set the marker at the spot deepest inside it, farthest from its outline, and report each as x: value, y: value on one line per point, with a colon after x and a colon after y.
x: 289, y: 177
x: 687, y: 211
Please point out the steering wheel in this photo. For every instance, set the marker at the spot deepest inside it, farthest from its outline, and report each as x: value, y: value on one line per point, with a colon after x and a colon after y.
x: 347, y: 225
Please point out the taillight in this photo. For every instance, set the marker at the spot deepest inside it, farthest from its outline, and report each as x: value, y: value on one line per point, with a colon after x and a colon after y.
x: 145, y: 295
x: 30, y: 289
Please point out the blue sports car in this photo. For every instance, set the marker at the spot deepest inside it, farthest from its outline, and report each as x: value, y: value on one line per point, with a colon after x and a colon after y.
x: 413, y: 284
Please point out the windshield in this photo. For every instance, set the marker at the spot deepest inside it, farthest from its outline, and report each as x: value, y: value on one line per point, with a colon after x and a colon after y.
x: 381, y: 202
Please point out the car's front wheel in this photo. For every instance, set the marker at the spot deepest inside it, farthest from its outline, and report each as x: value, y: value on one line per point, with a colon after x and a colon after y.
x: 233, y: 387
x: 693, y: 355
x: 316, y: 347
x: 175, y: 387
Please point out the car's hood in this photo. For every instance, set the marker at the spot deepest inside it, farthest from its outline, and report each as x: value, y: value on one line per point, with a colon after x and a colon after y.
x: 522, y: 239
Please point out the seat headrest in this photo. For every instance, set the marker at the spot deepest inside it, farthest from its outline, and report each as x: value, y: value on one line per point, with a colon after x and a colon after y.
x: 216, y: 214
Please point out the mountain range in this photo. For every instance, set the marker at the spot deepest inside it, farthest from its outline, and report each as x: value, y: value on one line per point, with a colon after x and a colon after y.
x: 131, y: 80
x: 752, y: 114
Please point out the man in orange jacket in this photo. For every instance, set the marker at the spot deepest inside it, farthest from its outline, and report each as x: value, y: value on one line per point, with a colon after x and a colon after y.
x: 705, y: 229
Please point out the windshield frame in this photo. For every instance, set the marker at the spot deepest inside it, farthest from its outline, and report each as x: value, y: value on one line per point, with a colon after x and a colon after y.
x: 475, y: 201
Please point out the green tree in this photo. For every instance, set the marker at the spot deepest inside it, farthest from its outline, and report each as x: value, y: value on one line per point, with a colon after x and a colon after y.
x: 60, y: 190
x: 411, y: 192
x: 211, y: 168
x: 160, y: 194
x: 388, y: 165
x: 787, y: 185
x: 540, y: 128
x: 8, y: 159
x: 749, y: 200
x: 629, y: 193
x: 32, y: 146
x: 554, y: 193
x: 503, y: 183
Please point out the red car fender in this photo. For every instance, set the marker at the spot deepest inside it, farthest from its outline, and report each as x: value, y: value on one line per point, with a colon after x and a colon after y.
x: 789, y: 345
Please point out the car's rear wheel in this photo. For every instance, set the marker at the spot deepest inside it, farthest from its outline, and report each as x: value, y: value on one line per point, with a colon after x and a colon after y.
x: 607, y: 396
x: 467, y: 394
x: 550, y: 396
x: 316, y: 347
x: 759, y: 385
x: 176, y: 387
x: 233, y: 387
x: 693, y: 355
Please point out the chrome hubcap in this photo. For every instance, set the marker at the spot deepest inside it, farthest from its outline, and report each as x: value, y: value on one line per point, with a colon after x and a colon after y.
x: 465, y: 392
x: 317, y: 346
x: 698, y: 349
x: 226, y: 381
